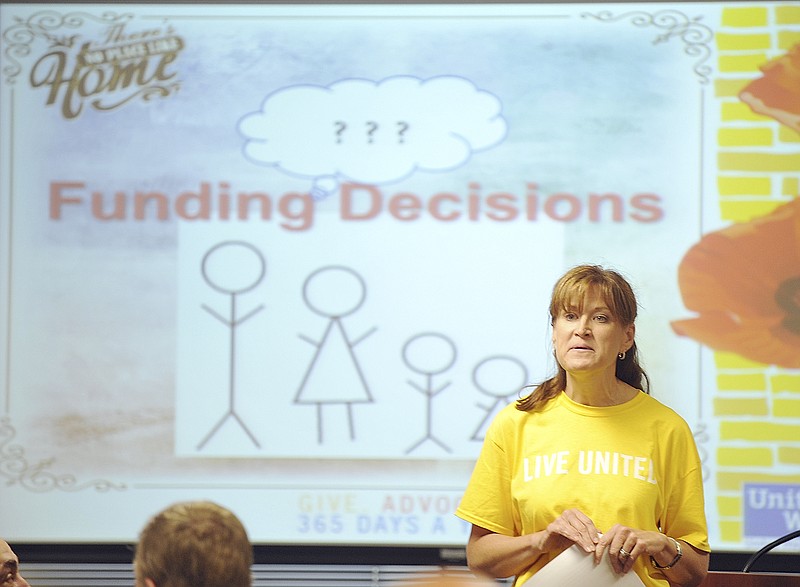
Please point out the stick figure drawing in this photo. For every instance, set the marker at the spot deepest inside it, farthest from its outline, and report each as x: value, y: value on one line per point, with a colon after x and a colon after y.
x: 334, y: 376
x: 429, y: 354
x: 232, y: 268
x: 500, y: 378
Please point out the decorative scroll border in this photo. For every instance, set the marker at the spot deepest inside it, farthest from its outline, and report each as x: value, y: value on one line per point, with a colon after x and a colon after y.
x: 695, y: 35
x: 17, y: 470
x: 43, y: 25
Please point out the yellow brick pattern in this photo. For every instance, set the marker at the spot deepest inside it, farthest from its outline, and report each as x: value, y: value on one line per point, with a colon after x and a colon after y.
x: 740, y: 407
x: 730, y: 531
x: 746, y: 457
x: 785, y: 382
x: 759, y: 161
x: 745, y: 137
x: 729, y: 506
x: 787, y: 408
x: 740, y: 63
x: 742, y: 186
x: 730, y: 88
x: 746, y: 17
x: 739, y: 42
x: 786, y: 40
x: 758, y: 169
x: 789, y: 455
x: 741, y: 381
x: 739, y: 112
x: 790, y: 185
x: 757, y: 430
x: 744, y: 212
x: 734, y: 480
x: 787, y: 135
x: 788, y: 14
x: 724, y: 360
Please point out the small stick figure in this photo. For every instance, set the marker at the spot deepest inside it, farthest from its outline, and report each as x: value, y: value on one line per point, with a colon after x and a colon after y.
x: 491, y: 377
x: 432, y: 354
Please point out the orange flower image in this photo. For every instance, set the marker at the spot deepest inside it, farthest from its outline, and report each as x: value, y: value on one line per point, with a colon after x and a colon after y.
x: 777, y: 93
x: 744, y: 283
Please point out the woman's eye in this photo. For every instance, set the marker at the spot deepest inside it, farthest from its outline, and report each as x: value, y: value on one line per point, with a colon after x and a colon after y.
x: 601, y: 318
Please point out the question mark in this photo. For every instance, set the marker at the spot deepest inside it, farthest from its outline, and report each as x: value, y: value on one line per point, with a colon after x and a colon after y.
x: 371, y: 128
x: 340, y: 126
x: 403, y: 128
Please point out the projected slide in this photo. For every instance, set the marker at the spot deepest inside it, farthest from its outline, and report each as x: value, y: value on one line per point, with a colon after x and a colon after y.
x: 295, y: 258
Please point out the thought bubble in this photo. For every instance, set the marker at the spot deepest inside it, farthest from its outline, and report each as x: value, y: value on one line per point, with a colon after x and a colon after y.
x: 372, y: 132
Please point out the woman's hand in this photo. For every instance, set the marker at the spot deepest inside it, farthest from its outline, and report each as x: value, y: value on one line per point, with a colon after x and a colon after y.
x: 625, y: 545
x: 496, y: 555
x: 571, y: 527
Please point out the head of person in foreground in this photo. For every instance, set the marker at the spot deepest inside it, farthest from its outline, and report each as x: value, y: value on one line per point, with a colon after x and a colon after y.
x: 194, y: 544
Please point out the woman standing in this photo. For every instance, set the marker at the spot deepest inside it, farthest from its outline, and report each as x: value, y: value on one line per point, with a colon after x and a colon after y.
x: 588, y: 457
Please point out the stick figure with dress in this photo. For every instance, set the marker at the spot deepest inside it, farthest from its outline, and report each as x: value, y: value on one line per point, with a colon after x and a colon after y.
x: 334, y: 376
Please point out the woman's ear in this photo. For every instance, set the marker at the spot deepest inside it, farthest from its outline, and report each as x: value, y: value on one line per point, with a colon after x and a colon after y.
x: 630, y: 334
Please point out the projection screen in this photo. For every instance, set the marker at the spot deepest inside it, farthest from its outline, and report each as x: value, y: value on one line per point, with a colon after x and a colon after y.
x: 294, y: 257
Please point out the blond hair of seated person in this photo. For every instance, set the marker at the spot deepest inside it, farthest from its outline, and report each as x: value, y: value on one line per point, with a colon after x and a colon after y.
x: 194, y: 544
x: 9, y: 568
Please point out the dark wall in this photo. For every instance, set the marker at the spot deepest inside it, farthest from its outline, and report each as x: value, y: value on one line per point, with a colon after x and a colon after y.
x: 351, y: 555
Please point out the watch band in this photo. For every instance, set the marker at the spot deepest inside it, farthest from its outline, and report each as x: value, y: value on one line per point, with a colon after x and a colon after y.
x: 674, y: 561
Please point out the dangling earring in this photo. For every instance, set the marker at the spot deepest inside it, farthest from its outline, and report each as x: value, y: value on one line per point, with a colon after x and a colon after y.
x: 621, y: 356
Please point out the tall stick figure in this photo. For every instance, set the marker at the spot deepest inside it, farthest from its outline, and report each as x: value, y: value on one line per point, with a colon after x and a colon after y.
x: 429, y: 354
x: 334, y: 375
x: 232, y: 268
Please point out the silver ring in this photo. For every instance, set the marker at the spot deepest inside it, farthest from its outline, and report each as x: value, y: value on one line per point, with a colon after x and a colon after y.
x: 624, y: 553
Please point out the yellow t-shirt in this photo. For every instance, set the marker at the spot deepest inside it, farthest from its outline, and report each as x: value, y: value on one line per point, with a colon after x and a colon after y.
x: 634, y: 464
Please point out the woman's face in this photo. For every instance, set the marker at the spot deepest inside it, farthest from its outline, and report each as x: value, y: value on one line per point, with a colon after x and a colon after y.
x: 588, y: 337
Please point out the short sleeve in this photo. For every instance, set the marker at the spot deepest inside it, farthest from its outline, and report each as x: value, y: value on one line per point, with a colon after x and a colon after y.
x: 487, y: 500
x: 684, y: 515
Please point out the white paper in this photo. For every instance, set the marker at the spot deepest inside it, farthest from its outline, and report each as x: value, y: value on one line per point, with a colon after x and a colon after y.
x: 574, y: 566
